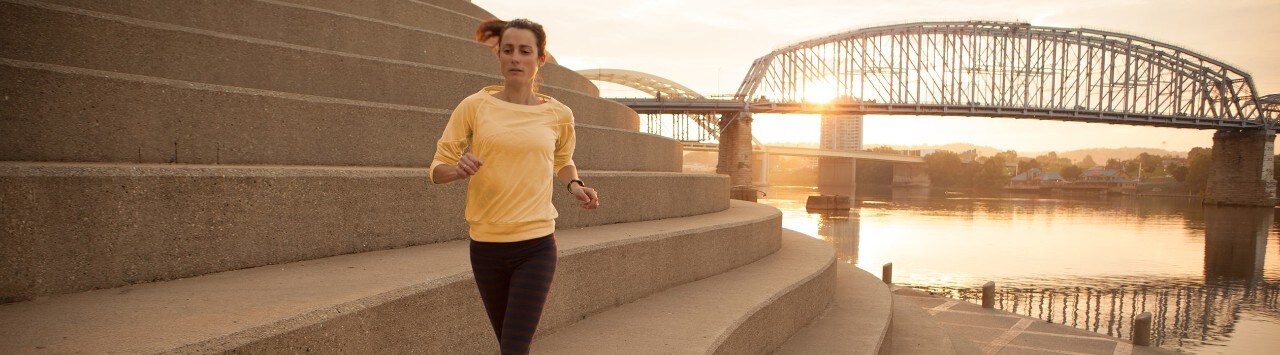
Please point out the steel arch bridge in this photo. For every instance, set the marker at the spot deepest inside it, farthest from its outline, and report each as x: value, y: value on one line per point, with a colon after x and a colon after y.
x: 996, y: 69
x: 662, y: 88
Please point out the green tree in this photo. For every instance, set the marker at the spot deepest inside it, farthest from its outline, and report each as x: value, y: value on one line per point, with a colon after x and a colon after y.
x: 1071, y: 172
x: 1199, y: 162
x: 1131, y: 168
x: 1028, y: 164
x: 945, y: 169
x: 1087, y: 162
x: 876, y: 172
x: 1179, y: 173
x: 991, y: 175
x: 1007, y: 156
x: 1150, y: 163
x: 1052, y: 162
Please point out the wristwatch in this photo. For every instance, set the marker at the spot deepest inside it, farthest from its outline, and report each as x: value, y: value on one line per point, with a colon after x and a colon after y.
x: 569, y: 186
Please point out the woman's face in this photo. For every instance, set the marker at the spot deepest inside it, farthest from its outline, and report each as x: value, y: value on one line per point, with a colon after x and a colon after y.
x: 518, y: 56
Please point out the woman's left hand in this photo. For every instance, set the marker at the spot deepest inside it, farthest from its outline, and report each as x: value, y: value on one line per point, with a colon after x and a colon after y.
x: 587, y: 196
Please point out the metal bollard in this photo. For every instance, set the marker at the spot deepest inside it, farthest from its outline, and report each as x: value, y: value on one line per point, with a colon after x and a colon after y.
x: 1142, y: 329
x: 989, y: 295
x: 887, y: 273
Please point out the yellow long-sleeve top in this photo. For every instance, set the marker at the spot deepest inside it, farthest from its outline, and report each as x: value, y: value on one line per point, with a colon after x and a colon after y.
x: 522, y: 147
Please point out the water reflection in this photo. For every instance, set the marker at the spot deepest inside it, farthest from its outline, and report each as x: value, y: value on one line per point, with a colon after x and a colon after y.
x: 1093, y: 262
x: 843, y: 231
x: 1187, y: 314
x: 1235, y: 244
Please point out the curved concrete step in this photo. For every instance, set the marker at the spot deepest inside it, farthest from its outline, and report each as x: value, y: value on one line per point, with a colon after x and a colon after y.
x: 856, y: 322
x: 406, y: 12
x: 419, y: 299
x: 327, y: 29
x: 47, y: 33
x: 134, y: 223
x: 463, y: 6
x: 56, y: 113
x: 749, y: 310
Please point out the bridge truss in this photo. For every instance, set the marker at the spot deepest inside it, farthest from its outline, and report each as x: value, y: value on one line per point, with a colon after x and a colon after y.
x: 1008, y: 70
x: 681, y: 126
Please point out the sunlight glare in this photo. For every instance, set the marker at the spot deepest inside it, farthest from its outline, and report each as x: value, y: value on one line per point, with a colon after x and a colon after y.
x: 820, y: 92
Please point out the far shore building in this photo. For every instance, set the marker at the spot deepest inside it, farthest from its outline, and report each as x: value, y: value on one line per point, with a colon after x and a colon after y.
x: 1115, y: 180
x: 1036, y: 177
x: 1102, y: 175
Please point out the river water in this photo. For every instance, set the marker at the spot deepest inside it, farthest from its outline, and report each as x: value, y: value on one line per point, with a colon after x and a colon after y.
x: 1090, y: 262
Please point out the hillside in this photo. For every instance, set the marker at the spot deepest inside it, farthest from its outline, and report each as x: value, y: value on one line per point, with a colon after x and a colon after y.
x: 1099, y: 154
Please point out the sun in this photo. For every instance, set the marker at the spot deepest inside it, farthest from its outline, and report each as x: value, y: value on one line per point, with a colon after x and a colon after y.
x: 820, y: 92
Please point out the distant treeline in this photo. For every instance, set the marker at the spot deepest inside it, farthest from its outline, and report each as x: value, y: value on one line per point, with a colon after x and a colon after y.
x: 948, y: 169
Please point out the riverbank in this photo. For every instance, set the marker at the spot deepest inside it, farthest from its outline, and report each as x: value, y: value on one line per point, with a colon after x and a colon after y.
x: 990, y: 331
x: 1087, y: 262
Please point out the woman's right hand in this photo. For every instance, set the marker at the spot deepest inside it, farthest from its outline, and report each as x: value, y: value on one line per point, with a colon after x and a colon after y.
x: 468, y: 165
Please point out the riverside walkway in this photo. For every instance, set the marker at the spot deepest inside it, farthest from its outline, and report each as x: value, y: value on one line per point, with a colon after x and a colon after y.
x: 967, y: 328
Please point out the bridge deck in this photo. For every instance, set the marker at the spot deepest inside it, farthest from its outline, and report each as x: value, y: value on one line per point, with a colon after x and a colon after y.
x: 810, y: 152
x: 1080, y: 114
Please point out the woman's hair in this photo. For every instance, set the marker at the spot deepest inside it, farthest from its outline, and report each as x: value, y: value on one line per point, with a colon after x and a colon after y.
x: 494, y: 28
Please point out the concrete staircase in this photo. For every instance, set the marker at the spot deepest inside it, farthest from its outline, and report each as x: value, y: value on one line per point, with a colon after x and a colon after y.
x: 250, y: 176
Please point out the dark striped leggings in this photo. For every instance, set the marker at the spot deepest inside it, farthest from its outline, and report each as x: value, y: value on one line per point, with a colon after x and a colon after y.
x: 514, y: 279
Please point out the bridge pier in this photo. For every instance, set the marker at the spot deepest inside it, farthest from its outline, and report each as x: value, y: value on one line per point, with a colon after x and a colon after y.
x: 1242, y: 172
x: 838, y: 172
x: 911, y: 175
x: 735, y: 149
x: 760, y: 166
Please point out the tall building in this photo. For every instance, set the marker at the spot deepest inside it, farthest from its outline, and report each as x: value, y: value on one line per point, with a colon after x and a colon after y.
x: 841, y: 132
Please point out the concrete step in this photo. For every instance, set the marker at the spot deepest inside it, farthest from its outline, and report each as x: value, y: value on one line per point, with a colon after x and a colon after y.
x: 48, y: 33
x: 749, y: 310
x: 914, y: 331
x: 462, y: 6
x: 412, y: 300
x: 327, y: 29
x: 134, y: 223
x: 855, y: 322
x: 411, y: 13
x: 57, y: 113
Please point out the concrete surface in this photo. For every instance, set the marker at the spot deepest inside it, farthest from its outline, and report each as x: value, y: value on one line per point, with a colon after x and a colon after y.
x: 58, y: 113
x: 55, y: 34
x: 751, y: 309
x: 855, y: 322
x: 914, y: 332
x: 416, y: 299
x: 462, y: 6
x: 447, y: 40
x: 987, y: 331
x: 404, y: 12
x: 71, y: 227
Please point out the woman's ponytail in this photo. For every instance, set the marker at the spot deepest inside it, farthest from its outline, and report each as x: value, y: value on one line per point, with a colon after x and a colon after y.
x: 490, y: 30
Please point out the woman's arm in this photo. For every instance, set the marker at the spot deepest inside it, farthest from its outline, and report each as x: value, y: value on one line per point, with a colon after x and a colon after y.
x: 452, y: 161
x: 567, y: 173
x: 467, y: 165
x: 586, y: 195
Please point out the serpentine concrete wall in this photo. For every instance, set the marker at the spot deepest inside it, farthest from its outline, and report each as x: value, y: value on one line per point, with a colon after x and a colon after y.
x: 154, y: 140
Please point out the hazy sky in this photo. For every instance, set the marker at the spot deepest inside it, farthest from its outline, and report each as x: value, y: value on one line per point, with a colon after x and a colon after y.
x: 709, y: 45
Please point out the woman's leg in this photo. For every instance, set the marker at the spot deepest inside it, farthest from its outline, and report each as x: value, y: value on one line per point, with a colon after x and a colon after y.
x: 493, y: 278
x: 530, y: 283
